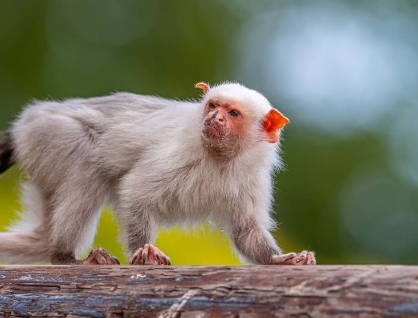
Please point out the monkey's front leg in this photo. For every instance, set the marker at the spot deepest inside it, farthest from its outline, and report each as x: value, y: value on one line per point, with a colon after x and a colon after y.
x: 258, y: 246
x: 138, y: 230
x: 150, y: 255
x: 302, y: 258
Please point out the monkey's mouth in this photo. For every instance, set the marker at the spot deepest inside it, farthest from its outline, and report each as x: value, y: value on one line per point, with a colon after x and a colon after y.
x: 213, y: 132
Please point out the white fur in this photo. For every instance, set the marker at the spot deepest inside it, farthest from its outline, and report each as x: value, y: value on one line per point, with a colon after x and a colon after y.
x: 145, y: 156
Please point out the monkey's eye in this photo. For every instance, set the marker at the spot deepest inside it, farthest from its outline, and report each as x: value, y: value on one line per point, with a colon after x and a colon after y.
x: 212, y: 105
x: 234, y: 113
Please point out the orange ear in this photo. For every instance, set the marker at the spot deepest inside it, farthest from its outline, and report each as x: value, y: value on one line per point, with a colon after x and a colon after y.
x: 274, y: 121
x: 203, y: 86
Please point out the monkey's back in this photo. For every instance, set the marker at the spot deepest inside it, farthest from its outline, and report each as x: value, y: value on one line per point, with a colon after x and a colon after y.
x: 107, y: 134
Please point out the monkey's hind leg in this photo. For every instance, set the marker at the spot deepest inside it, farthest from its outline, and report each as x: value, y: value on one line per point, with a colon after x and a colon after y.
x: 75, y: 215
x: 100, y: 257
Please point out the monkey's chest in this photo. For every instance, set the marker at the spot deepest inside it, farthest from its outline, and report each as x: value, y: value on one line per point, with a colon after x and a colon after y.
x: 196, y: 196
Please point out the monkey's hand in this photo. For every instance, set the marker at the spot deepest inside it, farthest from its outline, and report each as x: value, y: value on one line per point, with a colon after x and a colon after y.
x: 100, y: 257
x: 302, y: 258
x: 150, y: 255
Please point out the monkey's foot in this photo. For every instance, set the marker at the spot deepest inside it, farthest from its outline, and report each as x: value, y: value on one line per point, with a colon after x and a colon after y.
x: 100, y: 257
x: 302, y: 258
x: 150, y: 255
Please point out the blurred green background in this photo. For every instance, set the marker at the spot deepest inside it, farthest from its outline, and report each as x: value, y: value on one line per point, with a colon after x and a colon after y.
x: 344, y: 72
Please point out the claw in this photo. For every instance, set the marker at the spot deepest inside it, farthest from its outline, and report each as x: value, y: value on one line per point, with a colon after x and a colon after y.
x: 149, y: 255
x: 145, y: 253
x: 100, y: 257
x: 290, y: 256
x: 311, y: 258
x: 116, y: 260
x: 302, y: 258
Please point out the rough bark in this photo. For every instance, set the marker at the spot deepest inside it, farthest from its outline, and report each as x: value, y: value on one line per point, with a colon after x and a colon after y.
x: 246, y: 291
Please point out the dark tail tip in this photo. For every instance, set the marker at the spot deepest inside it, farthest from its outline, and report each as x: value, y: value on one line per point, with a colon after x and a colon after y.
x: 6, y: 152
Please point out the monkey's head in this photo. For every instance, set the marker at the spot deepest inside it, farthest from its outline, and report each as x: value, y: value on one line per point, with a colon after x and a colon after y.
x: 235, y: 118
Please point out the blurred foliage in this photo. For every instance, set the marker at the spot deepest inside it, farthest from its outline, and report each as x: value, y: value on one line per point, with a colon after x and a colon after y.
x: 344, y: 72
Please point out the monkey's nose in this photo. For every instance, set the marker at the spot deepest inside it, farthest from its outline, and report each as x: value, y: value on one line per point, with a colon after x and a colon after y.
x: 220, y: 119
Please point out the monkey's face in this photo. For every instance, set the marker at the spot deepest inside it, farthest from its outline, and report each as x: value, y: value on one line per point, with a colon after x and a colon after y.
x: 236, y: 118
x: 223, y: 126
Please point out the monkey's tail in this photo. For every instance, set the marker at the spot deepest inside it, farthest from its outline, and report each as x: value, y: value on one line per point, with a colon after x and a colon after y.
x: 6, y: 152
x: 19, y: 248
x: 26, y: 241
